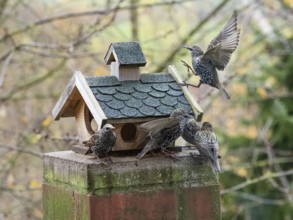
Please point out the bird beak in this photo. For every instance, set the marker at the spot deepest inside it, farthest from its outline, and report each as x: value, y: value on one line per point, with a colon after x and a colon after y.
x: 186, y: 47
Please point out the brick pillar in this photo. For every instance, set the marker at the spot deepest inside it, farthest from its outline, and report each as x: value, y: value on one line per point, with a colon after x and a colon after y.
x: 76, y: 187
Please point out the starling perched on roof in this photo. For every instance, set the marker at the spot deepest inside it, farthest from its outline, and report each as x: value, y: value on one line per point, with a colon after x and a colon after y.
x: 216, y: 57
x: 162, y: 133
x: 103, y: 140
x: 207, y: 144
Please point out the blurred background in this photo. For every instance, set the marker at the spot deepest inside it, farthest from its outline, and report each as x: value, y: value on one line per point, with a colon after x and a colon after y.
x: 43, y: 42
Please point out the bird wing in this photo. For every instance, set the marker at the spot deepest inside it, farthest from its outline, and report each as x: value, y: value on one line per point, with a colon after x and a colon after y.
x: 156, y: 126
x: 204, y: 150
x: 91, y: 142
x: 224, y: 44
x: 192, y: 126
x: 98, y: 136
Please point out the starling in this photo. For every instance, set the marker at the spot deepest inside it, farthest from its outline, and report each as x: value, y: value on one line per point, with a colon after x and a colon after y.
x: 162, y: 133
x: 190, y: 129
x: 216, y: 57
x: 103, y: 140
x: 207, y: 144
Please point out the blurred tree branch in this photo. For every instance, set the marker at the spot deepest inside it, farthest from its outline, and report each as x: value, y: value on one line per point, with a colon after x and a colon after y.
x: 21, y: 150
x: 87, y: 13
x: 33, y: 82
x: 188, y: 35
x: 3, y: 4
x: 257, y: 180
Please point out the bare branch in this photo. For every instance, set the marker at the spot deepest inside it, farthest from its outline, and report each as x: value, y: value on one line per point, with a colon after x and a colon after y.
x: 58, y: 55
x: 285, y: 185
x: 5, y: 66
x: 20, y: 150
x: 3, y: 4
x: 86, y: 13
x: 33, y: 82
x: 259, y: 199
x: 185, y: 39
x: 256, y: 180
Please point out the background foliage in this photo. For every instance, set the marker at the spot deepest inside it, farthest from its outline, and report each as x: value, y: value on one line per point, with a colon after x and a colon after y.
x: 43, y: 42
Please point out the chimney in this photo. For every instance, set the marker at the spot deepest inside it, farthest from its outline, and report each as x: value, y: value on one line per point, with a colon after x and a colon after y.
x: 124, y: 59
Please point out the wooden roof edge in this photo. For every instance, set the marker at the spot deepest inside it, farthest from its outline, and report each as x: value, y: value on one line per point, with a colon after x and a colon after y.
x: 109, y: 55
x: 195, y: 106
x: 63, y: 100
x: 89, y: 98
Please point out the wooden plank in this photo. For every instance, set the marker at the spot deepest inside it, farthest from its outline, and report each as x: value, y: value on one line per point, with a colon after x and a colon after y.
x: 89, y: 99
x: 131, y: 120
x: 109, y: 55
x: 195, y: 106
x: 83, y: 123
x: 134, y: 144
x: 129, y: 73
x: 114, y: 67
x: 64, y: 100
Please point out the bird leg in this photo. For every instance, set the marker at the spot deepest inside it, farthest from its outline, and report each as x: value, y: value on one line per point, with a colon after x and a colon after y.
x: 189, y: 68
x: 198, y: 156
x: 109, y: 158
x: 167, y: 153
x: 101, y: 162
x: 187, y: 84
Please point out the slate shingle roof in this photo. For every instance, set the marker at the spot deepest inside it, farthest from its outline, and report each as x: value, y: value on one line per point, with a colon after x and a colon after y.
x: 153, y: 95
x: 129, y: 53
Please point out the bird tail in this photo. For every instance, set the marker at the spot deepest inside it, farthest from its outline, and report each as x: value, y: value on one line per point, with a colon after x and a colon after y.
x: 146, y: 149
x: 223, y: 91
x: 216, y: 166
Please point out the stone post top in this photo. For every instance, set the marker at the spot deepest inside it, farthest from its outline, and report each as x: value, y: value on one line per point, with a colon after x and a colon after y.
x: 71, y: 156
x: 84, y: 173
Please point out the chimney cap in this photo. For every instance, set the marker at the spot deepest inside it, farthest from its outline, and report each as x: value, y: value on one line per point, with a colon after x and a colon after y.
x: 125, y: 53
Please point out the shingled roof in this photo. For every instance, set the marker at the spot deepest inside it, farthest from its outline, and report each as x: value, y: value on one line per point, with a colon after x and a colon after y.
x: 128, y: 53
x: 155, y: 94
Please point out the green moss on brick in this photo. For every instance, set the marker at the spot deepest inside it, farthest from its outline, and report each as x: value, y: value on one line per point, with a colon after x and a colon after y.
x: 191, y: 184
x: 60, y: 203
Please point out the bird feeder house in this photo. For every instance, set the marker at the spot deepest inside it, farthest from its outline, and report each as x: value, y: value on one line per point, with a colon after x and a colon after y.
x: 126, y: 98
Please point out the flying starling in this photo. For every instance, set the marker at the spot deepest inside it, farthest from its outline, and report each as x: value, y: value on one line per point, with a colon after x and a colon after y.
x: 207, y: 144
x: 216, y: 57
x: 162, y: 133
x: 103, y: 140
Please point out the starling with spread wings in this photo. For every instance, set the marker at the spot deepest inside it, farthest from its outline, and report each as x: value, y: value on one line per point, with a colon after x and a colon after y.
x: 216, y: 57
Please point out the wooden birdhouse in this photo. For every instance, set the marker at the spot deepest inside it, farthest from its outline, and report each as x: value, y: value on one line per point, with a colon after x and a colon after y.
x: 124, y: 99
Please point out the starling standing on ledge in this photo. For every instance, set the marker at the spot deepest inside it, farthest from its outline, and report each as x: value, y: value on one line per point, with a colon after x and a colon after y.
x: 190, y: 129
x: 207, y: 144
x: 102, y: 141
x: 162, y: 133
x: 217, y: 56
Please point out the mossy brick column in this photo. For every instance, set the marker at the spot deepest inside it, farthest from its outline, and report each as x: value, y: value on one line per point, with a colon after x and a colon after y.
x: 76, y: 187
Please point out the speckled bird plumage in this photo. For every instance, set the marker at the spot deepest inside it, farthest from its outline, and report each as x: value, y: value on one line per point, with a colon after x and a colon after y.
x: 190, y: 129
x: 207, y: 144
x: 217, y: 56
x: 104, y: 139
x: 162, y: 133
